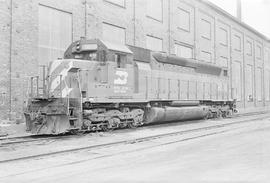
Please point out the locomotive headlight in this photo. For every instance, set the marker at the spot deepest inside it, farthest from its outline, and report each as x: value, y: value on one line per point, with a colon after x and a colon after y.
x: 78, y: 46
x: 91, y: 99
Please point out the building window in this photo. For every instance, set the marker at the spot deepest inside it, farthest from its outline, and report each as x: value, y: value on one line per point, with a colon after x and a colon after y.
x: 184, y: 20
x: 55, y: 33
x: 114, y: 34
x: 249, y: 83
x: 237, y: 80
x: 121, y: 3
x: 267, y: 85
x: 206, y: 29
x: 223, y: 61
x: 259, y: 84
x: 154, y: 43
x: 266, y: 55
x: 206, y: 56
x: 155, y: 9
x: 183, y: 51
x: 249, y: 48
x: 237, y: 43
x: 258, y: 52
x: 223, y: 37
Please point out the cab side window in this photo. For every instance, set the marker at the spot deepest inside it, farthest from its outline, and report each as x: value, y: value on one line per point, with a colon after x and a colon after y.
x: 120, y: 60
x: 92, y: 56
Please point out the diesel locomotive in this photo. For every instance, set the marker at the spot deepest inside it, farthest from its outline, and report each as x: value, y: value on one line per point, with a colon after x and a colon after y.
x: 99, y: 85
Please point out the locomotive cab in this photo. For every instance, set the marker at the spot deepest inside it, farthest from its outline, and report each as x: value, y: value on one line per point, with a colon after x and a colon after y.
x: 106, y: 69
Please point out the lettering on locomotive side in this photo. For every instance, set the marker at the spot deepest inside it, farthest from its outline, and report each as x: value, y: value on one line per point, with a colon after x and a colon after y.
x: 121, y: 77
x: 120, y: 89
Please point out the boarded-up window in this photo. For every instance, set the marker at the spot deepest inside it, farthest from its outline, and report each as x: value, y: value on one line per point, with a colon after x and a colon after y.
x: 267, y: 85
x: 154, y: 43
x: 183, y: 51
x: 266, y: 56
x: 206, y: 56
x: 259, y: 84
x: 117, y: 2
x: 223, y: 36
x: 258, y: 52
x: 236, y: 81
x: 114, y: 34
x: 184, y: 20
x: 223, y: 61
x: 237, y: 43
x: 249, y: 48
x: 249, y: 83
x: 205, y: 29
x: 54, y: 33
x: 155, y: 9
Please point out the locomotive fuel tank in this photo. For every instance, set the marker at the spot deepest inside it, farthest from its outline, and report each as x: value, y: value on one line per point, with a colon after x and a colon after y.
x: 169, y: 114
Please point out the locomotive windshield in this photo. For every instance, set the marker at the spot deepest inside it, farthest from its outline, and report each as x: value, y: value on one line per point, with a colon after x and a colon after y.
x: 92, y: 56
x: 99, y: 50
x: 85, y: 51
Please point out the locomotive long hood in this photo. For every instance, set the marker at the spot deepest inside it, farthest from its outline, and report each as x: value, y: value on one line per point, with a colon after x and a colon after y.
x: 199, y: 67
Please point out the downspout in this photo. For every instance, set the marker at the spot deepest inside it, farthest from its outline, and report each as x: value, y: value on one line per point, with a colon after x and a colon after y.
x: 10, y: 58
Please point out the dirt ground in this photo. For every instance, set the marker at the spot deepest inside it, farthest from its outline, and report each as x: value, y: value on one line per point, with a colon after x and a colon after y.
x: 12, y: 129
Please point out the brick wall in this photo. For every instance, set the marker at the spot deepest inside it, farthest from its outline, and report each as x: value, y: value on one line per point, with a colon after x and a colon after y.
x: 4, y: 57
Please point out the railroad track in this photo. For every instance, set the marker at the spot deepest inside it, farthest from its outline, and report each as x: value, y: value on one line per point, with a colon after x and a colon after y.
x: 39, y: 138
x: 31, y: 138
x: 142, y: 139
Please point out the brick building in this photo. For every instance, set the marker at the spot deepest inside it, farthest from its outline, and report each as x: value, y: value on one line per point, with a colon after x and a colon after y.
x: 34, y: 32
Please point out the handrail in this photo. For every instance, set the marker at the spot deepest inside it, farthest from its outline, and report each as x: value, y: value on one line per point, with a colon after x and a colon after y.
x: 80, y: 89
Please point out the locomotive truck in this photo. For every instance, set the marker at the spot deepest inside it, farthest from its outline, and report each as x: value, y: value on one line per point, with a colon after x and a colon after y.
x: 99, y: 85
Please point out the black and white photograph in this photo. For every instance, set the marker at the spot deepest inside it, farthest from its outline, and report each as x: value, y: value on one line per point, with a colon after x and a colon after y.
x: 134, y: 91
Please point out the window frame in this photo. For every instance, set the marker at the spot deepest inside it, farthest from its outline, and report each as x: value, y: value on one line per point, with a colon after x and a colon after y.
x: 116, y: 4
x: 151, y: 36
x: 176, y: 43
x: 155, y: 18
x: 50, y: 47
x: 189, y: 22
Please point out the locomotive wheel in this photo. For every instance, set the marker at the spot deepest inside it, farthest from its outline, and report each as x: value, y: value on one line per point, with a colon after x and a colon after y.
x: 219, y: 114
x: 77, y: 132
x: 208, y: 115
x: 132, y: 125
x: 137, y: 121
x: 113, y: 123
x: 106, y: 128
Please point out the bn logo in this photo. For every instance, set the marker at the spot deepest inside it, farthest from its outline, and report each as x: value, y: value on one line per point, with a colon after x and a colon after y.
x: 121, y: 77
